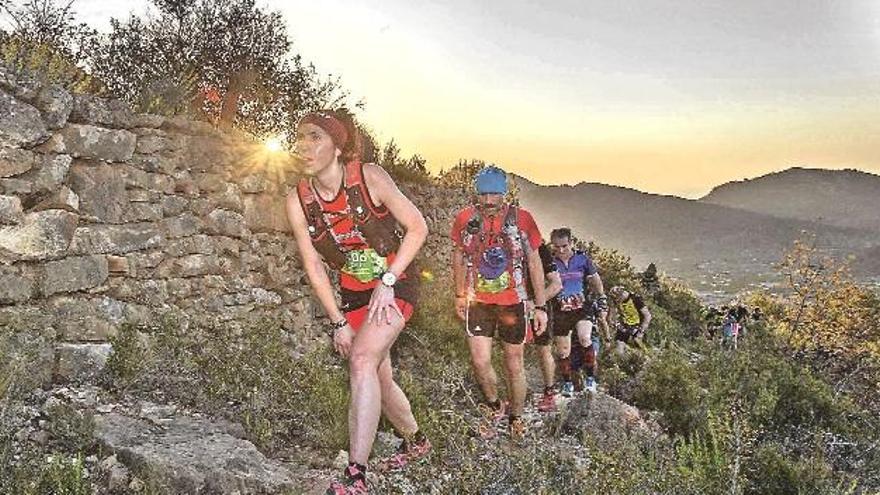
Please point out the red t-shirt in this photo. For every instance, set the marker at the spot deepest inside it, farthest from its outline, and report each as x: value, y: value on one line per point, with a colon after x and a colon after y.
x: 494, y: 224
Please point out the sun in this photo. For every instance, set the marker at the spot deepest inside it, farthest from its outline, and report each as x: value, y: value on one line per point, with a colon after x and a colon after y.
x: 274, y: 144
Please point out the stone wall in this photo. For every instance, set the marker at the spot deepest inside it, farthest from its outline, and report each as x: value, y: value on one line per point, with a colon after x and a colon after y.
x: 108, y: 216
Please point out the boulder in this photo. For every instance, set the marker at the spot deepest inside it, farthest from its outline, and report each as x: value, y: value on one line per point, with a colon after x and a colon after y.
x: 74, y: 274
x: 253, y: 184
x: 184, y: 225
x: 612, y: 423
x: 41, y: 235
x: 89, y: 109
x: 173, y: 205
x: 78, y: 319
x: 265, y: 213
x: 31, y: 354
x: 56, y: 104
x: 225, y: 222
x: 21, y: 125
x: 49, y: 173
x: 15, y: 161
x: 16, y: 285
x: 101, y: 191
x: 60, y: 199
x: 148, y: 120
x: 80, y: 363
x: 10, y: 210
x: 192, y: 455
x: 194, y: 265
x: 87, y: 141
x: 149, y: 145
x: 115, y: 239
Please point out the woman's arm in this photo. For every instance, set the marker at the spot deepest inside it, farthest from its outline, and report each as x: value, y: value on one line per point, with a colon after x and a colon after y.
x: 317, y: 274
x: 384, y: 191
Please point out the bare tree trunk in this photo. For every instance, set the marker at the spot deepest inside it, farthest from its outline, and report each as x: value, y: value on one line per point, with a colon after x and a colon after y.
x: 238, y: 84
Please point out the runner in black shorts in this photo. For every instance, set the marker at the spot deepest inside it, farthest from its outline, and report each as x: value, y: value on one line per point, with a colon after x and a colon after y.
x: 496, y: 250
x: 542, y: 341
x: 579, y: 277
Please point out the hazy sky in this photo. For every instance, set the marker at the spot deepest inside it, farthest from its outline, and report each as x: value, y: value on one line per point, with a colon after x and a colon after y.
x: 668, y: 96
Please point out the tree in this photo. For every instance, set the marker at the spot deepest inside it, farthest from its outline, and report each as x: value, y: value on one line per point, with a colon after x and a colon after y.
x: 413, y: 169
x: 462, y: 174
x: 229, y: 62
x: 45, y: 41
x: 828, y: 318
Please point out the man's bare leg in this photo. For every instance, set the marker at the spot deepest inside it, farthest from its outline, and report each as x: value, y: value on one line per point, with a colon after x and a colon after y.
x: 481, y: 361
x: 548, y: 364
x: 516, y: 377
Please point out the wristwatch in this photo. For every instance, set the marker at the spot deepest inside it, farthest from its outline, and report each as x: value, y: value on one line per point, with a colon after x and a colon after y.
x: 542, y: 307
x: 389, y: 279
x: 339, y: 325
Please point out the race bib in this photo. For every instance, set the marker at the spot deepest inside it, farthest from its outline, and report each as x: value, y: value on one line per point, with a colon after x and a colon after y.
x: 364, y: 264
x: 493, y: 286
x: 571, y: 303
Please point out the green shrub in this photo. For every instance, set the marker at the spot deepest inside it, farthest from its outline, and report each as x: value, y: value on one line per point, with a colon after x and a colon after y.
x: 774, y: 471
x: 669, y: 384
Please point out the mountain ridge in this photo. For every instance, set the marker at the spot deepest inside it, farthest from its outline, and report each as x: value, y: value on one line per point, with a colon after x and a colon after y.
x: 697, y: 239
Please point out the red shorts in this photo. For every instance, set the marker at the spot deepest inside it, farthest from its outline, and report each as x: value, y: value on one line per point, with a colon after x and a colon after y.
x: 358, y: 316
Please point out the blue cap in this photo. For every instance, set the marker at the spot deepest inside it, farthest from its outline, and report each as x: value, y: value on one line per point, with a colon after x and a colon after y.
x: 491, y: 180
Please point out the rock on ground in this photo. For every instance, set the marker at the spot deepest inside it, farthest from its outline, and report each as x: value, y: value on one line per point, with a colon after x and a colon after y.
x: 191, y: 455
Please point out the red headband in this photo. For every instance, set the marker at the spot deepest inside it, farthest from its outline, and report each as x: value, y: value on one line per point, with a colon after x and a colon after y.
x: 331, y: 126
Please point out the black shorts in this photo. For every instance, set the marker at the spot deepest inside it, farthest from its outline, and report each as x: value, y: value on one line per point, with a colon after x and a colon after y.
x: 489, y: 320
x: 626, y: 333
x: 546, y: 337
x: 566, y: 321
x: 406, y: 289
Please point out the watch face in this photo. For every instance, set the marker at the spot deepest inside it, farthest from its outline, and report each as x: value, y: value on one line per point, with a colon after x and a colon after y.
x: 389, y: 278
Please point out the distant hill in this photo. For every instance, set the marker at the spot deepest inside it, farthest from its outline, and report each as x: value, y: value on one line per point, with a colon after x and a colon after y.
x: 844, y: 198
x: 715, y: 248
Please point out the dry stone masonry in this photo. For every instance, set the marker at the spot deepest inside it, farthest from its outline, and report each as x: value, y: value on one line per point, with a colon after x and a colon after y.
x: 107, y: 216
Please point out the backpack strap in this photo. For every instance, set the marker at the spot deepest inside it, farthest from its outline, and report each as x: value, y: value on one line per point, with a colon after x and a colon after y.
x: 312, y: 209
x: 319, y: 230
x: 359, y: 200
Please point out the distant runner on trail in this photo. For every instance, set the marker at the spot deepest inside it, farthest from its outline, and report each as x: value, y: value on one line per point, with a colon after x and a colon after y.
x: 632, y: 317
x: 346, y: 213
x: 545, y: 353
x: 574, y: 313
x: 496, y: 250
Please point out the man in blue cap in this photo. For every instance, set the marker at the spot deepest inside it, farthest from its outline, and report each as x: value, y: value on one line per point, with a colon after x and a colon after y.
x: 496, y: 251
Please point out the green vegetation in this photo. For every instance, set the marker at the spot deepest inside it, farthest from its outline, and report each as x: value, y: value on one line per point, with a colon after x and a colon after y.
x: 56, y: 465
x: 753, y: 421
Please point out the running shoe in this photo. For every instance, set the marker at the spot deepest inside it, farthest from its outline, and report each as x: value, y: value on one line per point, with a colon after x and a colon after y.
x: 590, y: 384
x: 517, y: 429
x: 407, y: 453
x: 548, y: 402
x: 492, y: 414
x: 488, y: 428
x: 578, y: 381
x: 567, y: 389
x: 354, y: 482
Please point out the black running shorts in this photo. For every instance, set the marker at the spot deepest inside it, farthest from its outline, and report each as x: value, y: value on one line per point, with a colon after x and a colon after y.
x: 626, y: 334
x: 490, y: 320
x: 566, y: 321
x: 546, y: 337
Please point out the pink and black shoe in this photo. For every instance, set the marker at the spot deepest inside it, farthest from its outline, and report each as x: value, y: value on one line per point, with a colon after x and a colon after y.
x: 353, y: 482
x: 410, y: 451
